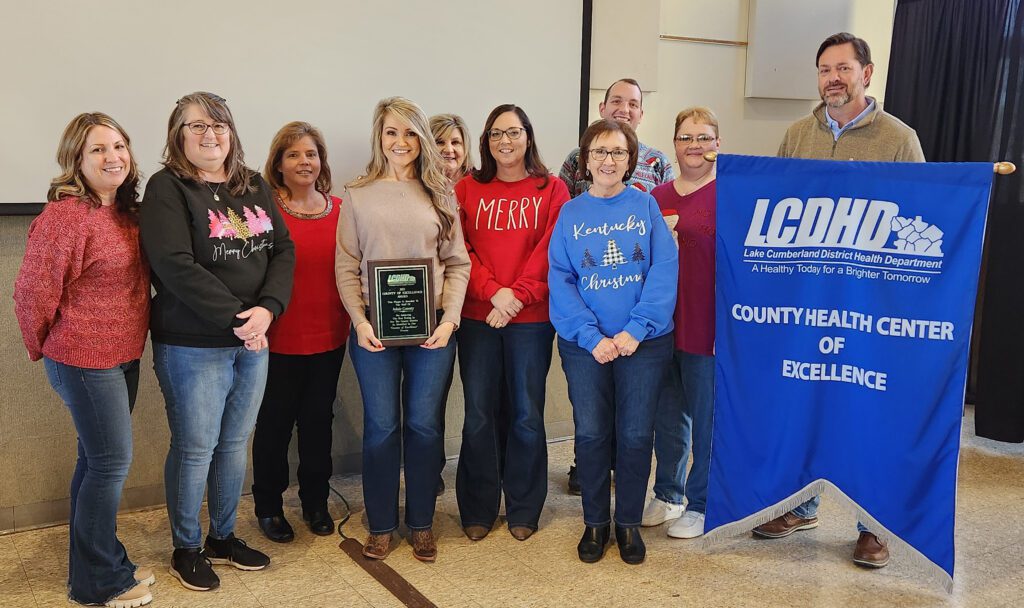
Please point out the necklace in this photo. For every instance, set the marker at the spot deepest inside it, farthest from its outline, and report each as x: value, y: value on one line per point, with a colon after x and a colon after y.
x: 214, y: 192
x: 328, y: 206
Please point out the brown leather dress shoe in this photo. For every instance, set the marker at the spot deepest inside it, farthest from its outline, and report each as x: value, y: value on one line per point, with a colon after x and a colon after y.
x: 870, y: 552
x: 784, y: 525
x: 520, y: 532
x: 377, y: 546
x: 424, y: 547
x: 476, y: 532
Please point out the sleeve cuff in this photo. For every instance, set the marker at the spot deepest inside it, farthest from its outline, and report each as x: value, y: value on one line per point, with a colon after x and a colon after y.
x: 589, y: 341
x: 636, y: 330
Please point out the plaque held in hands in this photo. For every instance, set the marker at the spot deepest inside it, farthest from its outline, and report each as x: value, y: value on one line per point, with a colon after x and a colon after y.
x: 402, y: 300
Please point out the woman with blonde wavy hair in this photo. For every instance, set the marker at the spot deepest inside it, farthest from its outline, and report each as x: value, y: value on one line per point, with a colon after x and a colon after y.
x: 401, y: 208
x: 82, y: 301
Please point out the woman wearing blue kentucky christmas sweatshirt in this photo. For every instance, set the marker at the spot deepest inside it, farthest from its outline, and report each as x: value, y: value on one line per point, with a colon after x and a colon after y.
x: 612, y: 280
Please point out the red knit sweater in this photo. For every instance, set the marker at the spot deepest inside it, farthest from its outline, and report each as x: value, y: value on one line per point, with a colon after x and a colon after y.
x: 82, y: 294
x: 315, y: 321
x: 507, y: 227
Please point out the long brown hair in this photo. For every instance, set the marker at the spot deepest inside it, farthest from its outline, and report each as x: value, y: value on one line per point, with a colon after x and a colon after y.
x: 71, y: 182
x: 239, y: 177
x: 429, y: 171
x: 285, y: 138
x: 489, y: 167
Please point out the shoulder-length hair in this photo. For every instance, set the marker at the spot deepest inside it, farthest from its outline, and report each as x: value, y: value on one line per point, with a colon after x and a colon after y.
x: 286, y: 138
x: 428, y: 167
x: 489, y: 167
x: 599, y: 128
x: 239, y: 177
x: 71, y: 182
x: 441, y: 127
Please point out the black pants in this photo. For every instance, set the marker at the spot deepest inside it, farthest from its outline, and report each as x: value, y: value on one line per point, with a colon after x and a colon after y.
x: 301, y: 390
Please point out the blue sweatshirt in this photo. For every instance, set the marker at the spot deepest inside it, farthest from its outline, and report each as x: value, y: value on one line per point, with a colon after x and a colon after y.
x: 613, y: 267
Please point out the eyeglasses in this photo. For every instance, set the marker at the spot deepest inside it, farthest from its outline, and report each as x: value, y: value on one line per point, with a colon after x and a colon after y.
x: 512, y: 132
x: 701, y: 139
x: 618, y: 154
x: 199, y: 127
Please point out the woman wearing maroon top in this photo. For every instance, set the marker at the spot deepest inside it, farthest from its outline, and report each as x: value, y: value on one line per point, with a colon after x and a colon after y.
x: 508, y: 208
x: 686, y: 408
x: 307, y: 343
x: 82, y: 301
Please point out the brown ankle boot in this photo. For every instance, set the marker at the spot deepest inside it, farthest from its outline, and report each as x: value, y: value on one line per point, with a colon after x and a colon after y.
x: 424, y: 547
x: 377, y: 546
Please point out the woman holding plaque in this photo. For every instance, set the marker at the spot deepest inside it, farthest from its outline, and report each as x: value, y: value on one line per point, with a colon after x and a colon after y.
x: 508, y: 208
x: 222, y: 269
x: 401, y: 209
x: 307, y: 343
x: 613, y: 279
x: 686, y: 409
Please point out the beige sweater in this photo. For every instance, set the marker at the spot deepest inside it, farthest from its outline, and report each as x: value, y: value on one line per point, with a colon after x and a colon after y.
x: 879, y: 136
x: 393, y: 220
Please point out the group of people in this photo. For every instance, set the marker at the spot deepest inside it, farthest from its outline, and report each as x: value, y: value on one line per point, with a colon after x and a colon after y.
x: 260, y: 280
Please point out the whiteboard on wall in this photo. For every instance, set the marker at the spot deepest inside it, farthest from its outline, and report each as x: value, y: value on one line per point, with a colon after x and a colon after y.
x: 325, y: 62
x: 783, y: 37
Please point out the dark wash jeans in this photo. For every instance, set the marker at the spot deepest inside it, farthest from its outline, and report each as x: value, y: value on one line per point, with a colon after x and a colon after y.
x: 510, y: 363
x: 301, y: 390
x: 402, y: 388
x: 100, y: 402
x: 620, y: 397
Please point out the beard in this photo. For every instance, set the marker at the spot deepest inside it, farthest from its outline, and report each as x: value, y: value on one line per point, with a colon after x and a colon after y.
x: 837, y: 99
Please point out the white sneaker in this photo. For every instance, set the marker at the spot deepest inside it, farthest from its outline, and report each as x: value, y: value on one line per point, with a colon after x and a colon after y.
x: 690, y: 525
x: 658, y: 512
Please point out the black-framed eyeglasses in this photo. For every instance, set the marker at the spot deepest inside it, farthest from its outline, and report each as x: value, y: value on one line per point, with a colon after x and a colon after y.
x: 617, y: 154
x: 512, y: 132
x: 701, y: 139
x: 199, y: 127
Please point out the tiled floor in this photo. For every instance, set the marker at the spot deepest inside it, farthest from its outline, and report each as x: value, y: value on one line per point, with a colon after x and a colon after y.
x: 808, y: 569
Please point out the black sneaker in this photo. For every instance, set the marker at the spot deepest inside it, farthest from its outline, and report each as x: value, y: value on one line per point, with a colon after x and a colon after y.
x: 234, y: 552
x: 574, y: 482
x: 192, y: 568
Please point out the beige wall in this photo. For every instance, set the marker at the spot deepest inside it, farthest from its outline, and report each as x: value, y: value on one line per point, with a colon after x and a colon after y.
x: 37, y: 438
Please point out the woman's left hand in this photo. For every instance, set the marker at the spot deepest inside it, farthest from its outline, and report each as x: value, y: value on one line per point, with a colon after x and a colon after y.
x: 257, y: 344
x: 497, y: 319
x: 439, y: 339
x: 625, y: 343
x: 256, y: 325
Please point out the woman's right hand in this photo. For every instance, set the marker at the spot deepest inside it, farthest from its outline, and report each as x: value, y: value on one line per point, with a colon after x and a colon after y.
x: 366, y: 339
x: 506, y: 302
x: 605, y: 351
x: 497, y: 319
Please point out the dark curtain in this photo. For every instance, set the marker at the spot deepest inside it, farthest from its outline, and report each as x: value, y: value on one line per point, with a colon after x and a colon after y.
x: 956, y: 75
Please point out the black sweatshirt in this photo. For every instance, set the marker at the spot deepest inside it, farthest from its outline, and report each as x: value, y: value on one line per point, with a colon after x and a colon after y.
x: 212, y: 259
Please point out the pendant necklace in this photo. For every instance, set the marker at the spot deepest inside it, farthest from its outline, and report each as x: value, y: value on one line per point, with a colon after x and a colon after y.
x: 214, y: 192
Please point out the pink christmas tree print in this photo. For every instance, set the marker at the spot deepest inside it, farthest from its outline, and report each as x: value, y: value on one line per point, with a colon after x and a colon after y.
x: 255, y: 227
x: 216, y: 230
x: 228, y: 230
x: 268, y: 226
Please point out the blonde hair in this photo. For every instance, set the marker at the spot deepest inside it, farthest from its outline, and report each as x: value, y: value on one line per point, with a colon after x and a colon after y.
x: 442, y: 125
x: 699, y: 115
x: 287, y: 137
x: 71, y: 182
x: 239, y: 177
x: 428, y: 167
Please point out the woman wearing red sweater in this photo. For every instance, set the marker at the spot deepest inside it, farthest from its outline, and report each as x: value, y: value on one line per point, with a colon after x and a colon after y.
x: 307, y: 343
x: 82, y: 301
x: 508, y: 208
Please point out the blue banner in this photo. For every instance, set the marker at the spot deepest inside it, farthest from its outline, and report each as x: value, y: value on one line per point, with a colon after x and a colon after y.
x: 845, y: 298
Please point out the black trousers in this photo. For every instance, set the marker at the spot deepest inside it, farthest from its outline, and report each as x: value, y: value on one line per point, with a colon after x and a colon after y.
x: 301, y: 390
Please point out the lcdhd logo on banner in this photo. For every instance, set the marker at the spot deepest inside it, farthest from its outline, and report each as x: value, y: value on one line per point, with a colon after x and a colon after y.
x: 845, y: 297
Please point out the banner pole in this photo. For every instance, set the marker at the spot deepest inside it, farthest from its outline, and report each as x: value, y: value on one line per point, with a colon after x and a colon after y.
x: 1002, y: 168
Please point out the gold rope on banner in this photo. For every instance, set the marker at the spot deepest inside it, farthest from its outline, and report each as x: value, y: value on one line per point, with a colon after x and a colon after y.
x: 1002, y: 168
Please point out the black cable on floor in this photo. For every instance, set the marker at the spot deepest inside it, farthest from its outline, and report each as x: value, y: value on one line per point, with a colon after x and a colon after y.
x: 348, y: 511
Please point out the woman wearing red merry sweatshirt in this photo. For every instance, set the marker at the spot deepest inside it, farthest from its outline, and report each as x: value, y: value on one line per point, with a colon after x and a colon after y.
x: 508, y: 208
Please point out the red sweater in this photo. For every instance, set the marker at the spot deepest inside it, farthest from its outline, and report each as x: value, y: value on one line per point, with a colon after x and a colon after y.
x: 507, y: 226
x: 315, y: 321
x: 82, y: 294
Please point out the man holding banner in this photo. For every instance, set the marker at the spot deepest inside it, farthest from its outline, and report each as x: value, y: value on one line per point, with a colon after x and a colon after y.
x: 847, y: 125
x: 845, y: 296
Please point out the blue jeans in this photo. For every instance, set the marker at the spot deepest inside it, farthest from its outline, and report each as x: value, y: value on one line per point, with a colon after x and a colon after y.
x: 809, y: 509
x: 514, y: 361
x: 212, y: 397
x: 401, y: 388
x: 100, y: 402
x: 685, y: 416
x: 621, y: 395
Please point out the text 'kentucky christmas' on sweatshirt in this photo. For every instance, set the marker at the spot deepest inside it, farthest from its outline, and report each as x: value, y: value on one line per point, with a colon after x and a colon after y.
x: 613, y: 267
